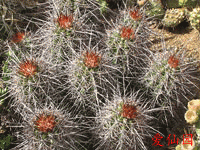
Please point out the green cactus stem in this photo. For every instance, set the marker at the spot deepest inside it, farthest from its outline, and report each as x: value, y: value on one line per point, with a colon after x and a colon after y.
x: 155, y: 9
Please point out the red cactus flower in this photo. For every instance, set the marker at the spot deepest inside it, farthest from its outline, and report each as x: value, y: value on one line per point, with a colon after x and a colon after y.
x: 28, y: 68
x: 173, y: 62
x: 127, y: 33
x: 92, y: 59
x: 65, y: 21
x: 135, y: 15
x: 45, y: 123
x: 18, y: 37
x: 129, y: 111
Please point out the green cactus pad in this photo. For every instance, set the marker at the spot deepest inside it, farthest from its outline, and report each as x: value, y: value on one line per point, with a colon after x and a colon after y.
x: 194, y: 18
x: 173, y: 17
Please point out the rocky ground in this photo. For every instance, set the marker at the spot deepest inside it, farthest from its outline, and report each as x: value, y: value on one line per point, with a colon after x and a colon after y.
x: 183, y: 36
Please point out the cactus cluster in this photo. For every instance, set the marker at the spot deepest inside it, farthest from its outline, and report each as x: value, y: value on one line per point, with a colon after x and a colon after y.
x: 70, y: 75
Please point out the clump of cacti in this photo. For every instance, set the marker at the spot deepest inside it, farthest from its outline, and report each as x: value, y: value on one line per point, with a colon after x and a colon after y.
x: 71, y: 67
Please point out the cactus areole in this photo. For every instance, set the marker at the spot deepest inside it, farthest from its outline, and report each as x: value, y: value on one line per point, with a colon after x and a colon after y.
x: 45, y: 123
x: 127, y: 33
x: 28, y: 68
x: 173, y: 62
x: 91, y: 59
x: 129, y: 111
x: 18, y: 37
x: 64, y: 21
